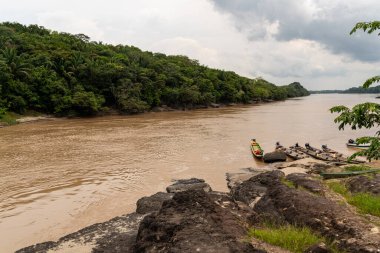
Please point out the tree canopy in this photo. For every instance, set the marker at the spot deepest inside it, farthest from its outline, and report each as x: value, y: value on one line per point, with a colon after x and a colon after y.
x: 66, y: 74
x: 365, y: 115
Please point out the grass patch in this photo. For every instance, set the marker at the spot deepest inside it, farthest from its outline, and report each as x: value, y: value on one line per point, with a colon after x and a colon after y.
x: 294, y: 239
x: 288, y: 183
x: 357, y: 168
x: 9, y: 118
x: 366, y: 203
x: 338, y: 187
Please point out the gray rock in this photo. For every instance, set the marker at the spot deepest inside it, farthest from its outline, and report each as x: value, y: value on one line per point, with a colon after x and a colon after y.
x: 193, y: 222
x: 214, y: 105
x: 188, y: 184
x: 318, y: 168
x: 153, y: 203
x: 234, y: 179
x: 250, y: 190
x: 369, y: 184
x: 276, y: 156
x: 117, y: 235
x: 318, y: 248
x: 306, y: 181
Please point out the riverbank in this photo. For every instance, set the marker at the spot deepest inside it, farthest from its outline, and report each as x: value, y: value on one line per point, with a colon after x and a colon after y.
x: 191, y: 217
x: 10, y: 118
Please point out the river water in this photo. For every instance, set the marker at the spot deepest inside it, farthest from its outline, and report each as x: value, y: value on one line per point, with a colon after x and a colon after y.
x: 61, y: 175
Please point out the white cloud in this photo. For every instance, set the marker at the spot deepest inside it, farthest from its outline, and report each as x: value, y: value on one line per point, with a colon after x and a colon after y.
x: 188, y: 47
x: 70, y: 22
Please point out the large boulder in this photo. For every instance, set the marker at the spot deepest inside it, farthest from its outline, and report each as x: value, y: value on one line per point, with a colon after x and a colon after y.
x: 192, y: 222
x: 188, y: 184
x: 273, y: 157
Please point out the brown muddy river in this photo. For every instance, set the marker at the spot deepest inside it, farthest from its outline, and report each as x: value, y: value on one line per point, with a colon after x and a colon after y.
x: 61, y: 175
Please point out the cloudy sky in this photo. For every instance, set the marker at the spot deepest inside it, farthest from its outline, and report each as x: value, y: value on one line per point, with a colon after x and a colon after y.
x: 280, y: 40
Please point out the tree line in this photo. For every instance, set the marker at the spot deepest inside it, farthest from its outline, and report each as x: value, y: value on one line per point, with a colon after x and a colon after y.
x: 66, y: 74
x: 353, y: 90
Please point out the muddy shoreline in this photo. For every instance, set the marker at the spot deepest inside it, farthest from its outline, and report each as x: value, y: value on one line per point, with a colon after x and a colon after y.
x: 191, y: 217
x: 163, y: 108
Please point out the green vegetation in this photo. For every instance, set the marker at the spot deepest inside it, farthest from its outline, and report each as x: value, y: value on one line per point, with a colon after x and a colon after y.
x: 366, y: 115
x: 288, y: 183
x: 338, y: 187
x: 9, y: 118
x: 292, y: 238
x: 365, y: 202
x: 353, y: 90
x: 357, y: 168
x: 65, y: 74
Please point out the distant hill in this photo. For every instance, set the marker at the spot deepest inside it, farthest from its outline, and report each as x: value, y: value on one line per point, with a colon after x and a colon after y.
x: 353, y: 90
x: 66, y: 74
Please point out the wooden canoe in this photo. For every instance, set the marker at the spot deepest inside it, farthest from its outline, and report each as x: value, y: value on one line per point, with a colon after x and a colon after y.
x: 256, y: 150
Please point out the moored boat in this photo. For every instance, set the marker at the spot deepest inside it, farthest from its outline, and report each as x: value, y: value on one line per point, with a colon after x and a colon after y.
x: 317, y: 154
x: 354, y: 144
x: 256, y: 150
x: 324, y: 156
x: 331, y: 151
x: 292, y: 153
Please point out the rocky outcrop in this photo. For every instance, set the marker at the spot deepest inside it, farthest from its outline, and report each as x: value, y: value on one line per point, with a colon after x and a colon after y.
x: 192, y: 222
x: 188, y: 184
x: 253, y: 189
x: 153, y: 203
x: 282, y: 204
x: 370, y: 184
x: 236, y: 178
x: 191, y: 217
x: 273, y: 157
x: 306, y: 181
x: 117, y: 235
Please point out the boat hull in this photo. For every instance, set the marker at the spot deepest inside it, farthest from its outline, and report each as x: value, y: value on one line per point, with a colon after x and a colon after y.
x: 355, y: 145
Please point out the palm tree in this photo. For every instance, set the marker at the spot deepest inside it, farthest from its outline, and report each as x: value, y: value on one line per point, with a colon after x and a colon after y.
x: 16, y: 66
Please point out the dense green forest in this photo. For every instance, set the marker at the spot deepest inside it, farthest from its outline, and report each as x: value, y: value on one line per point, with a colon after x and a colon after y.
x: 65, y: 74
x: 353, y: 90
